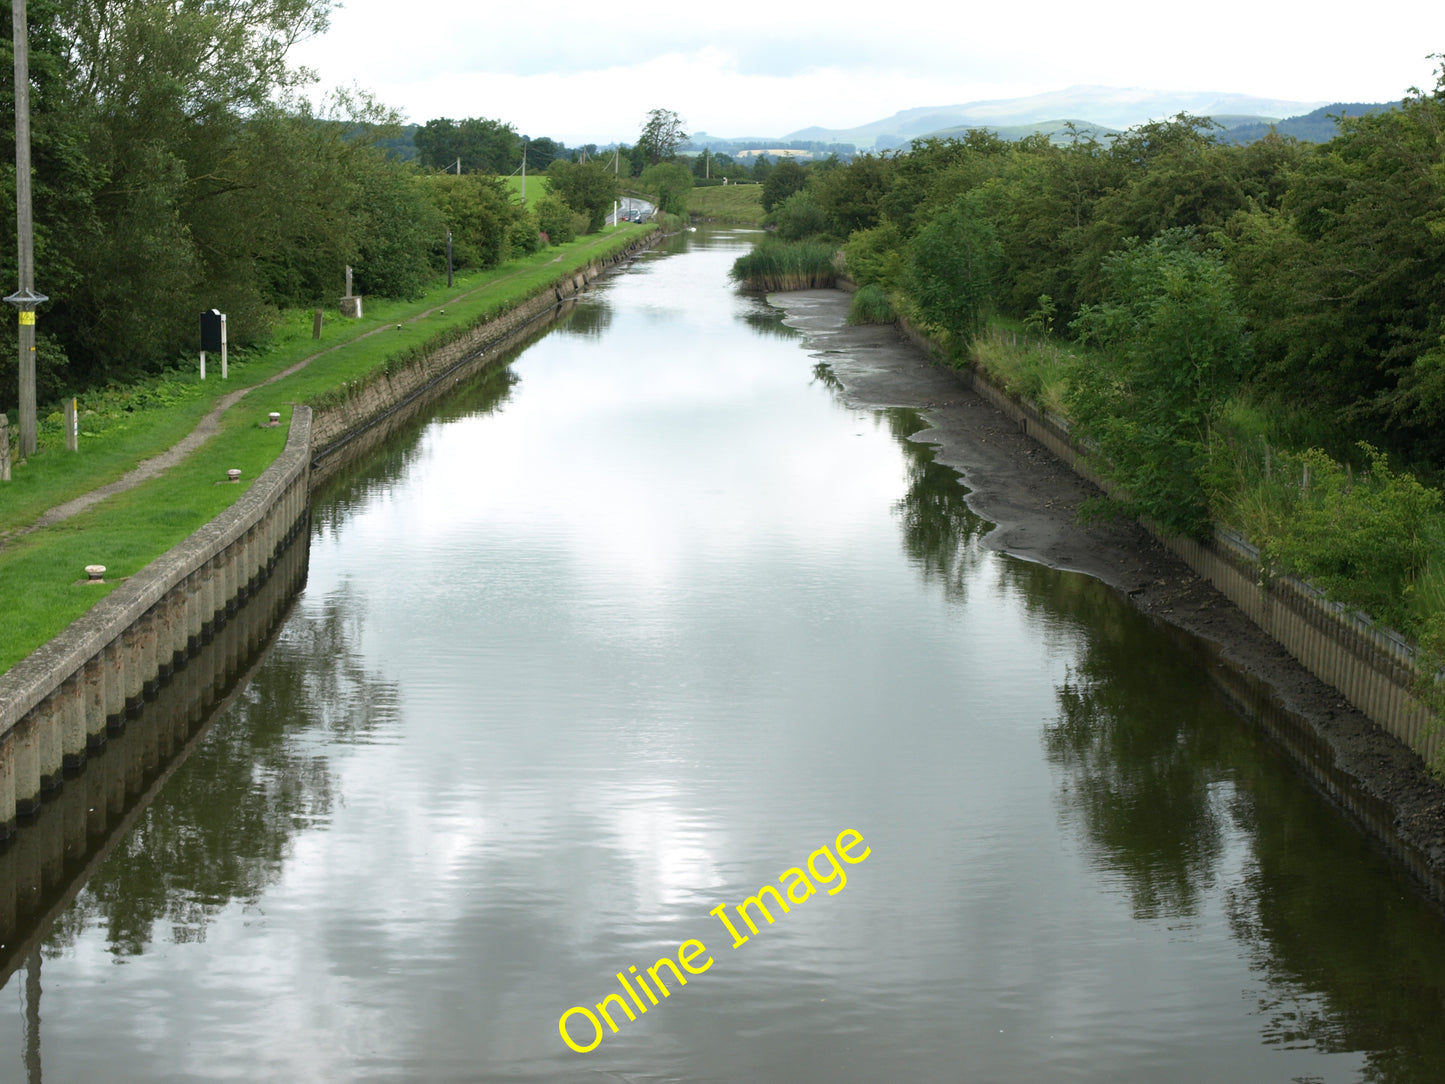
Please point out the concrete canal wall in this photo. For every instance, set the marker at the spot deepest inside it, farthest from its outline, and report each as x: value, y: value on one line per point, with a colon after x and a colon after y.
x: 44, y: 866
x: 60, y: 706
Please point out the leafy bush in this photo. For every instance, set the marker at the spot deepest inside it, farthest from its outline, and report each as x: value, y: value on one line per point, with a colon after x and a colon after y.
x: 556, y: 220
x: 875, y: 256
x: 523, y: 237
x: 799, y: 217
x: 1364, y: 540
x: 951, y: 268
x: 1171, y: 350
x: 669, y: 183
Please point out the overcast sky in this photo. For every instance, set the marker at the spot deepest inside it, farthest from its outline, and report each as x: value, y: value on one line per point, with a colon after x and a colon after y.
x: 590, y: 73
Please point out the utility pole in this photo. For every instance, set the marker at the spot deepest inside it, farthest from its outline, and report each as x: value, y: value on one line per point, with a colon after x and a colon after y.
x: 524, y: 174
x: 24, y: 299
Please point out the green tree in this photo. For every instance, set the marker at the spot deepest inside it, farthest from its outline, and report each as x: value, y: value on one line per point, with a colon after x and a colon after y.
x: 400, y: 231
x: 589, y: 188
x: 662, y: 136
x: 1347, y: 278
x: 479, y: 212
x: 158, y: 102
x: 481, y: 145
x: 669, y: 182
x: 1171, y: 348
x: 851, y: 196
x: 799, y: 217
x: 951, y: 268
x: 541, y: 153
x: 782, y: 181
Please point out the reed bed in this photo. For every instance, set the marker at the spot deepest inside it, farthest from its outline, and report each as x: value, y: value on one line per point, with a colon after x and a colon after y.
x: 783, y: 265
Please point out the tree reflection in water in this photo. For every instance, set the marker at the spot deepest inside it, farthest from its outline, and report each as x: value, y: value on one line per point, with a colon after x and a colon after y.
x: 1192, y: 810
x: 220, y: 830
x: 939, y: 529
x: 587, y: 318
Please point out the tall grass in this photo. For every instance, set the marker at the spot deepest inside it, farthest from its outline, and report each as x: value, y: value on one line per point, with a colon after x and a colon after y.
x: 1028, y: 367
x: 783, y: 265
x: 870, y: 305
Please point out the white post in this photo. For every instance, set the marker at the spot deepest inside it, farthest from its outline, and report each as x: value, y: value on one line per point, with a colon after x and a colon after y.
x: 223, y: 346
x: 203, y: 365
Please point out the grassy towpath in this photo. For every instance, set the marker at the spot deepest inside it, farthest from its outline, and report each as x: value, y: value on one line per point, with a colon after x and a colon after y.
x: 151, y: 456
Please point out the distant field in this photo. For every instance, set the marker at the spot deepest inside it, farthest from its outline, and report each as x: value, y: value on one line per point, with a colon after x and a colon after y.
x: 536, y: 185
x: 728, y: 202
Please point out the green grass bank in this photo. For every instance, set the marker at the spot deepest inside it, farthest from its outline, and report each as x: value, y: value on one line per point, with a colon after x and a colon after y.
x: 738, y: 204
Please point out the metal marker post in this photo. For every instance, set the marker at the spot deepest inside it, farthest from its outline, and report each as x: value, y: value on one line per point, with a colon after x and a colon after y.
x: 213, y: 337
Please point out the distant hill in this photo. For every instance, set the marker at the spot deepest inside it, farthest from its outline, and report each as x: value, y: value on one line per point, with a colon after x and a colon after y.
x: 1316, y: 127
x: 1107, y: 108
x: 1056, y: 130
x: 1097, y: 110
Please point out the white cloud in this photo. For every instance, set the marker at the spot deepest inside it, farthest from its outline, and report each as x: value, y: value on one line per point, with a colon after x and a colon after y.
x: 580, y: 73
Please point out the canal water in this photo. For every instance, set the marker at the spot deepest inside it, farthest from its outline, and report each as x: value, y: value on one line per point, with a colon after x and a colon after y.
x: 648, y: 621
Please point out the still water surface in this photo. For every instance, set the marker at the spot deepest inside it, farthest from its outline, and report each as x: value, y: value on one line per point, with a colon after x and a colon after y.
x: 624, y: 633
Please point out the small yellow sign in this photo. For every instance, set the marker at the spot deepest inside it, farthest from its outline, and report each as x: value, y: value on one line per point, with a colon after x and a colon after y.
x: 27, y: 318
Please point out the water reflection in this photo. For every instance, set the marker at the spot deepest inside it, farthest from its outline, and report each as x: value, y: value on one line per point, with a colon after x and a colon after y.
x: 222, y: 830
x: 586, y: 319
x: 939, y: 530
x: 597, y: 649
x: 343, y: 493
x: 766, y: 321
x: 1195, y: 817
x: 823, y: 374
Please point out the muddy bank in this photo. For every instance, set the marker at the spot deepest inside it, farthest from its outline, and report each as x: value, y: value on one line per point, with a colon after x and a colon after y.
x: 1034, y: 500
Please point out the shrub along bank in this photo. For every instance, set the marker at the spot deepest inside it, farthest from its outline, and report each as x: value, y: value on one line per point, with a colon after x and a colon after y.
x: 1244, y: 335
